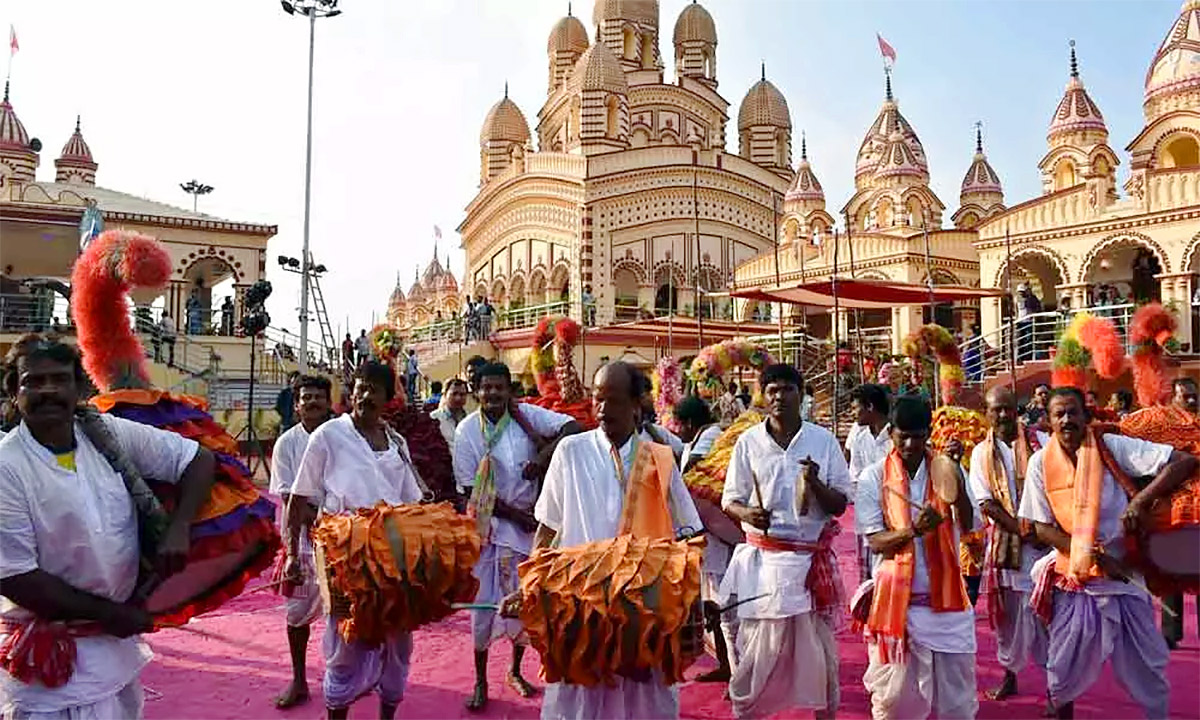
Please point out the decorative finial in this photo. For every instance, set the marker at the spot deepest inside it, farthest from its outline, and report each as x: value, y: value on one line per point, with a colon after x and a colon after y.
x: 764, y: 69
x: 505, y: 89
x: 803, y: 146
x: 568, y: 9
x: 887, y: 73
x: 978, y: 137
x: 6, y: 91
x: 77, y: 118
x: 1074, y: 62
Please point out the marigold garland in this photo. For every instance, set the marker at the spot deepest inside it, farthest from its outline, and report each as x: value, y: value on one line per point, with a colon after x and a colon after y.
x: 385, y: 342
x: 668, y: 391
x: 558, y: 382
x: 706, y: 479
x: 713, y: 362
x: 935, y: 341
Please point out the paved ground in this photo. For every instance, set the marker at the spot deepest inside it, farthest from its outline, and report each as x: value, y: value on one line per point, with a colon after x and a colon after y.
x: 201, y: 677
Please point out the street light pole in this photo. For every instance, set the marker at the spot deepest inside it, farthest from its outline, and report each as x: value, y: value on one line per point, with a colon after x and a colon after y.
x: 312, y: 9
x: 195, y: 188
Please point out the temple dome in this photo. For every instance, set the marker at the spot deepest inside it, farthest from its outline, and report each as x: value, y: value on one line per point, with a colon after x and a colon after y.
x: 568, y: 35
x: 504, y: 123
x: 598, y: 69
x: 695, y: 23
x: 1076, y: 112
x: 1175, y: 69
x: 805, y: 186
x: 764, y: 105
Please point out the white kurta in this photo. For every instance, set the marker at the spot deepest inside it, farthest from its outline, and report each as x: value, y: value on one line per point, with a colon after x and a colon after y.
x: 787, y: 655
x: 672, y: 440
x: 702, y: 443
x: 1136, y: 457
x: 82, y: 528
x: 285, y: 459
x: 304, y: 604
x: 866, y: 449
x: 581, y: 500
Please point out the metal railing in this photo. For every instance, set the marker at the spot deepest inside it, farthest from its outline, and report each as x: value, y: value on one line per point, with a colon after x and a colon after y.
x: 36, y: 311
x: 529, y: 315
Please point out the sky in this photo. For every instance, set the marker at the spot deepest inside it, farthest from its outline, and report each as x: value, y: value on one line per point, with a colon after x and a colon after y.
x: 172, y: 90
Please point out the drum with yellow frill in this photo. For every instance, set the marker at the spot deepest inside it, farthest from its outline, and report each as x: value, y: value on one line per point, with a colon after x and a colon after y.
x: 624, y: 607
x: 390, y: 569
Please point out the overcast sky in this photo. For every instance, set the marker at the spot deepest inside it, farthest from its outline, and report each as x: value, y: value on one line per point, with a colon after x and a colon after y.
x: 215, y: 90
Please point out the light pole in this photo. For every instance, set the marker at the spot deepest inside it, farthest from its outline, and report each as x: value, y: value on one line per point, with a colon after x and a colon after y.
x: 313, y: 9
x: 195, y: 188
x: 313, y: 270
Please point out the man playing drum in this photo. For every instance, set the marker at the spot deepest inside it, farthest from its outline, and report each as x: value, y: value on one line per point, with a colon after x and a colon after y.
x: 584, y: 500
x: 1012, y: 548
x: 312, y: 394
x: 787, y: 481
x: 921, y: 627
x: 1186, y: 399
x: 1098, y: 607
x: 496, y: 462
x: 356, y: 461
x: 69, y: 546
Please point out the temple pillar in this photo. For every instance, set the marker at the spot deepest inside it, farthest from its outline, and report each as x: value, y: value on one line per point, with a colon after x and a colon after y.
x: 905, y: 320
x: 1177, y: 292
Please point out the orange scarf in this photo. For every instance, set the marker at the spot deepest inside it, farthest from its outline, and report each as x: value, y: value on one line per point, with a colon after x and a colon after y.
x: 1005, y: 552
x: 888, y: 618
x: 1073, y: 489
x: 646, y: 511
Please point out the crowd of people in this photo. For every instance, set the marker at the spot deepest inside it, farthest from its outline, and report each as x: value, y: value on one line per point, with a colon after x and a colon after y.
x: 533, y: 478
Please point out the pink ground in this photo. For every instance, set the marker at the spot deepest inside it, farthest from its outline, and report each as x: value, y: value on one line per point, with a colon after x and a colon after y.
x: 202, y: 677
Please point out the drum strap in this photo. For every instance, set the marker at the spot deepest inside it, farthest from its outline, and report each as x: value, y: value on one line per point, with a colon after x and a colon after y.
x: 152, y: 517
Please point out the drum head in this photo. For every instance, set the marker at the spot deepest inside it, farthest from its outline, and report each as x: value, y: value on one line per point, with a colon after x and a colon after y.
x: 946, y: 476
x: 1175, y: 552
x: 717, y: 522
x: 200, y: 578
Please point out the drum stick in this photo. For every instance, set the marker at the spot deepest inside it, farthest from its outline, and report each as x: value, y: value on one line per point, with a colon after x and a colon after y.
x: 1142, y: 586
x: 758, y: 497
x: 475, y: 606
x: 908, y: 500
x: 268, y: 586
x: 209, y: 635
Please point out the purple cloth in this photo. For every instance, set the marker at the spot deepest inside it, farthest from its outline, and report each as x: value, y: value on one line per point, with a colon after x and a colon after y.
x: 232, y: 521
x: 1021, y: 637
x: 1089, y: 629
x: 160, y: 414
x: 355, y: 669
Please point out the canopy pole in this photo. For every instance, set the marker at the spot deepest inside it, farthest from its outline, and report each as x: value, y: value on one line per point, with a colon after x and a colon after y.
x: 803, y: 313
x: 862, y: 365
x: 936, y: 386
x: 696, y: 279
x: 778, y: 305
x: 837, y: 241
x: 1012, y: 312
x: 670, y: 298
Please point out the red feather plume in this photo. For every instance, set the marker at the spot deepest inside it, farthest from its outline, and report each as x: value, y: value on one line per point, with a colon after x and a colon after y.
x: 1099, y: 336
x: 111, y: 265
x: 1069, y: 376
x: 1150, y: 329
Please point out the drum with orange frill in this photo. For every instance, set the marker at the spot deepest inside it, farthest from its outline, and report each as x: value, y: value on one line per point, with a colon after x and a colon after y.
x: 390, y: 569
x: 1169, y: 553
x: 619, y: 608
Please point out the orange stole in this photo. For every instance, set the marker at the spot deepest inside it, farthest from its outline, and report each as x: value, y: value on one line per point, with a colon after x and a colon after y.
x: 888, y: 618
x: 646, y: 510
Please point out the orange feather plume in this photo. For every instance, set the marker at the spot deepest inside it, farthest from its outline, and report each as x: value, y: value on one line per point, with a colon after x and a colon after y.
x: 1099, y: 336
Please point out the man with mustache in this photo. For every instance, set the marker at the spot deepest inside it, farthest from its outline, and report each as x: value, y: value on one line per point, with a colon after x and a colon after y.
x: 583, y: 500
x: 787, y: 481
x: 921, y: 626
x: 996, y: 486
x: 496, y: 462
x: 351, y: 462
x: 303, y: 599
x: 69, y: 550
x: 1186, y: 401
x: 1080, y: 496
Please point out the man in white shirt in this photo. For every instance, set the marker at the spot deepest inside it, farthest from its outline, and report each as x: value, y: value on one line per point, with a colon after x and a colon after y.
x: 356, y: 461
x: 698, y: 430
x: 69, y: 546
x: 453, y: 409
x: 868, y: 443
x: 581, y: 502
x: 921, y: 627
x: 1012, y: 548
x: 304, y: 598
x: 1080, y: 495
x: 509, y: 439
x: 787, y: 481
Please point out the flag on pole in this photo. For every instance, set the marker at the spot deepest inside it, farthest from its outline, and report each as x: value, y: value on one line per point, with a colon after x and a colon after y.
x: 13, y: 45
x: 437, y: 232
x: 886, y: 50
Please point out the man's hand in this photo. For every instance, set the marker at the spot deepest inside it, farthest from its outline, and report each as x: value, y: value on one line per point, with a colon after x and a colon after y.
x: 522, y: 518
x: 955, y: 450
x: 1135, y: 516
x: 811, y: 470
x: 927, y: 520
x: 293, y: 571
x: 173, y: 550
x: 755, y: 516
x: 120, y: 620
x: 510, y: 606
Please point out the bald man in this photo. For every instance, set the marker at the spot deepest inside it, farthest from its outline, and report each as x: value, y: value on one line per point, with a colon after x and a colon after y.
x: 996, y: 482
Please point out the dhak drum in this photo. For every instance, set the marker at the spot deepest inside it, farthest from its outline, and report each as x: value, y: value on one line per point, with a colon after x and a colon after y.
x: 396, y: 567
x: 717, y: 521
x: 623, y: 607
x: 1169, y: 552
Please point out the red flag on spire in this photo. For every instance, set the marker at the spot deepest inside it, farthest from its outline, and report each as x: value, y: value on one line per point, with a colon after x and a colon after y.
x: 13, y: 46
x: 886, y: 50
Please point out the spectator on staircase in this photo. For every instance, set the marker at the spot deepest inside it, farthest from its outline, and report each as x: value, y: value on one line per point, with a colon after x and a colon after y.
x: 165, y: 333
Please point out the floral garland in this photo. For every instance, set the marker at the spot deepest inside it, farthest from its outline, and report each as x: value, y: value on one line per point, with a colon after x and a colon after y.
x: 552, y: 358
x: 935, y: 341
x: 385, y: 342
x: 668, y: 391
x: 710, y: 366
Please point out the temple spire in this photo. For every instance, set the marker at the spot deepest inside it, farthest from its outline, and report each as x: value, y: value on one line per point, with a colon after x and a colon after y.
x: 1074, y: 61
x: 887, y: 73
x: 978, y: 137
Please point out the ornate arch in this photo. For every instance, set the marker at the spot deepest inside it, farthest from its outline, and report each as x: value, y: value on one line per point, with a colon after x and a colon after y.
x: 1117, y: 240
x: 1169, y: 133
x: 942, y: 276
x: 1056, y: 261
x: 633, y: 266
x: 680, y: 277
x: 1191, y: 256
x: 872, y: 275
x: 218, y: 255
x: 560, y: 275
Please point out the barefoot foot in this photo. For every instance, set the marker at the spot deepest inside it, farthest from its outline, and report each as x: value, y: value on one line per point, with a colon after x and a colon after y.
x: 1007, y: 688
x: 479, y: 699
x: 520, y: 685
x: 295, y: 694
x: 715, y: 675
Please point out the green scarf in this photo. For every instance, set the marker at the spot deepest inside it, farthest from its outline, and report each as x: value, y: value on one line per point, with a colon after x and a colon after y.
x: 483, y: 492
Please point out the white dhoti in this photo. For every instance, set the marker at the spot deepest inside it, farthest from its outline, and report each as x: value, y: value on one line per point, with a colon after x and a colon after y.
x: 496, y: 571
x: 649, y: 700
x: 304, y: 604
x: 786, y: 663
x: 927, y: 681
x: 355, y: 669
x: 126, y: 704
x: 715, y: 562
x: 1021, y: 637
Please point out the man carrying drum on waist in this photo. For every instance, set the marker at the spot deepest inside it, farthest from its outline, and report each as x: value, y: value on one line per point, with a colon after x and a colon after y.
x: 355, y: 461
x: 1096, y: 606
x: 69, y: 550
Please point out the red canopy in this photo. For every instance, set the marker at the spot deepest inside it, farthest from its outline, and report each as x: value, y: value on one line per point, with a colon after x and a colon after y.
x: 865, y: 294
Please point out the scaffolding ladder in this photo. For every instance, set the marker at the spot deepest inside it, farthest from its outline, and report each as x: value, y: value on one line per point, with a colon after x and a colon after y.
x: 327, y: 339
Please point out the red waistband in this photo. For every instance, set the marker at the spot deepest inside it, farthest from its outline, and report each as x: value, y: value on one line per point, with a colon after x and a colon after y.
x: 766, y: 542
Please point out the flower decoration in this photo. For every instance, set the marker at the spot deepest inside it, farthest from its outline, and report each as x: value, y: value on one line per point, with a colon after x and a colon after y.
x: 668, y: 390
x: 385, y: 342
x: 710, y: 366
x: 934, y: 341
